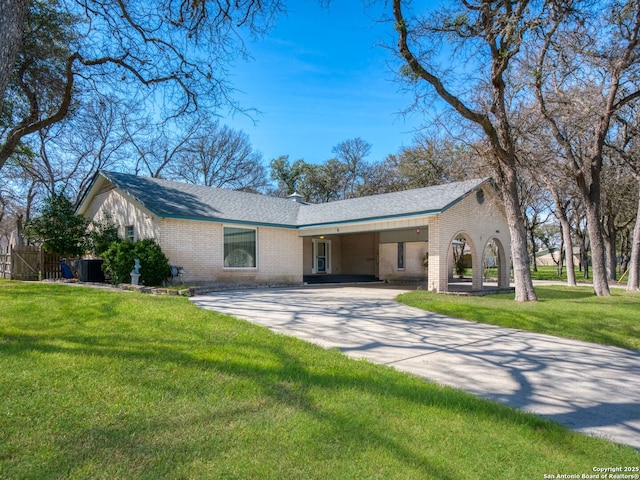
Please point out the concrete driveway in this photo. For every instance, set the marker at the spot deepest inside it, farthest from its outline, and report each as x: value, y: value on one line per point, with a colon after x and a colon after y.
x: 586, y: 387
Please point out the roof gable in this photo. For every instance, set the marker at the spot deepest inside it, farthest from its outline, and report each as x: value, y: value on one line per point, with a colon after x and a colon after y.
x: 170, y: 199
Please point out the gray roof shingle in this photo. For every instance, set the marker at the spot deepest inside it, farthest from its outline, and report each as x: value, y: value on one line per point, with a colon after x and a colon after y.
x: 425, y: 200
x: 167, y: 198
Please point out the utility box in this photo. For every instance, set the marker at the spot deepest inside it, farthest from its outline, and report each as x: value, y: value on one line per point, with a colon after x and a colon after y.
x: 90, y: 271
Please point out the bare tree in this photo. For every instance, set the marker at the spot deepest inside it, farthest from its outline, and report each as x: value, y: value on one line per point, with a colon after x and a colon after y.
x: 182, y: 48
x: 560, y: 211
x: 218, y: 156
x: 428, y: 161
x: 156, y: 145
x: 493, y: 33
x: 586, y: 71
x: 67, y: 155
x: 543, y: 169
x: 352, y: 154
x: 536, y: 208
x: 626, y: 146
x: 618, y: 212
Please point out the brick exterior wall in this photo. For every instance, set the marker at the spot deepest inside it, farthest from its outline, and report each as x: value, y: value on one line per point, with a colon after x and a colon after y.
x: 478, y: 223
x: 116, y: 206
x: 359, y: 254
x: 284, y: 254
x: 413, y: 256
x: 197, y: 246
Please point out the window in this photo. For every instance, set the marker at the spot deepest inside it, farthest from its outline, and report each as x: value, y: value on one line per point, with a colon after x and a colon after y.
x: 239, y: 247
x: 400, y: 255
x: 129, y: 233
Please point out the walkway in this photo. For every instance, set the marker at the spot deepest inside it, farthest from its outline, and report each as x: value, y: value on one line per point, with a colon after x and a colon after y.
x: 586, y: 387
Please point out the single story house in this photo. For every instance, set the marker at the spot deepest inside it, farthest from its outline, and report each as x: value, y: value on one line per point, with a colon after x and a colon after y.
x: 547, y: 258
x: 227, y: 236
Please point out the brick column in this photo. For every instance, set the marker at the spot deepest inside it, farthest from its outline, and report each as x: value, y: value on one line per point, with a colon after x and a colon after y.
x: 476, y: 263
x: 504, y: 252
x: 437, y: 274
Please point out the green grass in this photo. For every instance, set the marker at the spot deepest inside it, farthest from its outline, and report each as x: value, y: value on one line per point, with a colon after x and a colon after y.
x: 98, y: 384
x: 544, y: 272
x: 560, y: 311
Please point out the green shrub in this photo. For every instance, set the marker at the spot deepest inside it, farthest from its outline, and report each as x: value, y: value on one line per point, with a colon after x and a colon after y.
x: 58, y: 228
x: 101, y: 236
x: 119, y: 261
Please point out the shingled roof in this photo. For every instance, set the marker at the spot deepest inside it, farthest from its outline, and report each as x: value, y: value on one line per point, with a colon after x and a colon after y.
x: 419, y: 201
x: 170, y: 199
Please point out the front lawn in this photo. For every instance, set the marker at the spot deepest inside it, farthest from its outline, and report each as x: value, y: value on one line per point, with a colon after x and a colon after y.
x: 99, y: 384
x: 560, y: 311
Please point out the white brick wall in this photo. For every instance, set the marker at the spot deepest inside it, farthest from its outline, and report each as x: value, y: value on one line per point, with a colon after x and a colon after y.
x: 479, y: 223
x: 414, y: 253
x: 123, y: 212
x: 198, y: 247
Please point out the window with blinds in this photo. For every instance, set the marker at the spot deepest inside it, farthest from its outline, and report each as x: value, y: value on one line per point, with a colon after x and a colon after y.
x: 240, y: 247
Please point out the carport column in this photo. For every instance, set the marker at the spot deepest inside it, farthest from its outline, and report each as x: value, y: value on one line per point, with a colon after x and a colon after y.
x: 438, y: 279
x: 476, y: 264
x: 504, y: 252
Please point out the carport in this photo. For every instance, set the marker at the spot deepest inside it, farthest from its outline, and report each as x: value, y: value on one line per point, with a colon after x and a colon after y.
x: 408, y: 237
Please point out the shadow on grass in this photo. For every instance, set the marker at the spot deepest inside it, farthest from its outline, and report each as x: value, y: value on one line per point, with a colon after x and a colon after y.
x: 574, y: 313
x: 287, y: 380
x: 522, y: 370
x: 216, y: 352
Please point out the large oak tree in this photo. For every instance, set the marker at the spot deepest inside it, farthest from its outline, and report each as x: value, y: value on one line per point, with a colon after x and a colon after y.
x: 175, y: 51
x: 587, y: 70
x: 489, y: 36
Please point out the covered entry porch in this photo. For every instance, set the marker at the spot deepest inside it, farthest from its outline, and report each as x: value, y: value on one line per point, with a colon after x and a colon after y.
x: 425, y: 248
x: 396, y: 256
x: 405, y: 256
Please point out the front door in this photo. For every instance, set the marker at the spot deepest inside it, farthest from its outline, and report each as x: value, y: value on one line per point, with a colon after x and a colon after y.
x: 321, y: 256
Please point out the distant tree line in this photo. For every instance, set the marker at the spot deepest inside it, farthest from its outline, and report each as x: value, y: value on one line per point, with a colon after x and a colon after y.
x: 540, y: 95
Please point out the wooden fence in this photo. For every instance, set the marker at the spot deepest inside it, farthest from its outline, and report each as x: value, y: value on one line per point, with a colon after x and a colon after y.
x: 5, y: 262
x: 29, y: 263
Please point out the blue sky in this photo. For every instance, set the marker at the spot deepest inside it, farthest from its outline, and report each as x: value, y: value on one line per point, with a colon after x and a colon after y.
x: 320, y: 77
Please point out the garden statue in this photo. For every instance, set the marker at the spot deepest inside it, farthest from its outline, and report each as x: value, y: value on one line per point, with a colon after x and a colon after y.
x: 135, y: 274
x: 66, y: 269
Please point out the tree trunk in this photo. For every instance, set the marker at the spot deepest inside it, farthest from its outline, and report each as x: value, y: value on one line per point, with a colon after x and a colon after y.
x: 598, y: 264
x: 19, y: 230
x: 610, y: 240
x: 561, y: 214
x: 12, y: 16
x: 633, y: 284
x: 584, y: 258
x: 568, y: 249
x: 521, y: 270
x: 625, y: 252
x: 532, y: 240
x: 495, y: 126
x: 560, y: 262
